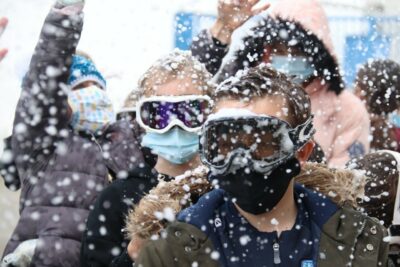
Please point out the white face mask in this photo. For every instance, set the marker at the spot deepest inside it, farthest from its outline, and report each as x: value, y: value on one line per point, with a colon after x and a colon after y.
x: 91, y: 108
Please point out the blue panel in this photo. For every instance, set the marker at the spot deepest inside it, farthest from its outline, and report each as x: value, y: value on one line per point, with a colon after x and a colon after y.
x: 187, y: 26
x: 183, y: 30
x: 361, y: 48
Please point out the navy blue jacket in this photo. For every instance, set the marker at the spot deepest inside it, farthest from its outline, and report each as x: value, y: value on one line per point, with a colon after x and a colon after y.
x: 237, y: 243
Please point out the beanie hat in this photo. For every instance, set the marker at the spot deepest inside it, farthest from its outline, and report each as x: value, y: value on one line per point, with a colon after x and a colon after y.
x: 83, y: 70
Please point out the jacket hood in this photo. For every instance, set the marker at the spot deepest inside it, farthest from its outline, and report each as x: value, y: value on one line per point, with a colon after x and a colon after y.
x: 310, y: 15
x: 304, y: 25
x: 342, y: 186
x: 337, y: 187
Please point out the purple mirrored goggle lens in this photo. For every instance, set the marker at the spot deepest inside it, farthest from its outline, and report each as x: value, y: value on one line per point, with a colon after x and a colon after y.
x: 159, y: 114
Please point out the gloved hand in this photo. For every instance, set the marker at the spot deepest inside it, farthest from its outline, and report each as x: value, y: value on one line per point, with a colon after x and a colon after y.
x: 22, y: 255
x: 70, y: 2
x: 69, y: 7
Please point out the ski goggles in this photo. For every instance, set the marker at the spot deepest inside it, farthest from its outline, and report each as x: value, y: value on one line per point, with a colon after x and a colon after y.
x: 160, y: 113
x: 258, y: 142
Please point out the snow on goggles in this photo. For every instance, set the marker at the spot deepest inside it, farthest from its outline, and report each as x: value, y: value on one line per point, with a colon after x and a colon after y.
x: 258, y: 142
x: 160, y: 113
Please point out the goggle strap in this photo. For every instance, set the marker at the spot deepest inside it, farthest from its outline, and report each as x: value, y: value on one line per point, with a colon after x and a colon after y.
x: 303, y: 133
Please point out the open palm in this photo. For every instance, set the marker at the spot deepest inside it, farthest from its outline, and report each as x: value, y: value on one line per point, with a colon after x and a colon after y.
x: 236, y: 12
x: 232, y: 14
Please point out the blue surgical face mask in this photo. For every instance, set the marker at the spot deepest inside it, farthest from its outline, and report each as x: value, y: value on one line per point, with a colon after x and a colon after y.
x: 395, y: 119
x: 297, y: 66
x: 177, y: 145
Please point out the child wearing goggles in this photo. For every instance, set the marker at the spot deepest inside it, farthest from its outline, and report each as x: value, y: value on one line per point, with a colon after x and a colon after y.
x: 255, y: 144
x: 172, y: 105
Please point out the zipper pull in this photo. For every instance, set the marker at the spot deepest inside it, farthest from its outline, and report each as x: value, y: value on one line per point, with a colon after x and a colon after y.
x: 277, y: 257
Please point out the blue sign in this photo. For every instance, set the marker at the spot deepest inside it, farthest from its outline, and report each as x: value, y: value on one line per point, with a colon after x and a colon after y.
x: 360, y: 48
x: 187, y: 26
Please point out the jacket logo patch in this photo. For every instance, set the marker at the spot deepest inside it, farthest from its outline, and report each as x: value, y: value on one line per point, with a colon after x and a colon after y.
x: 307, y: 263
x: 218, y: 222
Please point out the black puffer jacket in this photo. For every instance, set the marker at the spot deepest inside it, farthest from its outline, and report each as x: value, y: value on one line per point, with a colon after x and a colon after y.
x: 104, y: 243
x: 61, y: 172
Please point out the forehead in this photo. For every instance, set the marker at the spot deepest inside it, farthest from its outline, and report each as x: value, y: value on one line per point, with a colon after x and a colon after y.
x: 270, y: 105
x: 177, y: 87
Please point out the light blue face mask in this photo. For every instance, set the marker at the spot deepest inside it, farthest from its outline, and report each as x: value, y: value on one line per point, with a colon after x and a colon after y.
x: 177, y: 145
x: 297, y: 66
x: 395, y: 119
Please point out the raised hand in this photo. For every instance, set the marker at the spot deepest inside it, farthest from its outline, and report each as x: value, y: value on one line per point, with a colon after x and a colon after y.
x: 232, y: 14
x: 70, y: 2
x: 3, y: 25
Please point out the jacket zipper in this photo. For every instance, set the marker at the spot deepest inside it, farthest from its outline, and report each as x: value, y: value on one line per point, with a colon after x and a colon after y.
x: 110, y: 178
x: 356, y: 241
x: 277, y: 257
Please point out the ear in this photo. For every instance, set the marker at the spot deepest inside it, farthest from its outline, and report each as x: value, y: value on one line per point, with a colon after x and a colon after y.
x: 305, y: 152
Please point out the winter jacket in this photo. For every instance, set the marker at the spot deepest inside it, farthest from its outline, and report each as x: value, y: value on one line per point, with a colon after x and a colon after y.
x: 212, y: 233
x: 342, y: 134
x: 61, y: 171
x: 104, y: 242
x: 8, y: 169
x: 341, y: 120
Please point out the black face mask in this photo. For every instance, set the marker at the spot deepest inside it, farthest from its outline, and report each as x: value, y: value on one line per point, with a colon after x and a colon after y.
x: 255, y: 192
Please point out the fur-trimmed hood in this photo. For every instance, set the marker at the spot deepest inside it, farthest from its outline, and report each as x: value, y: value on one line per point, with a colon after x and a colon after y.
x: 299, y: 23
x: 167, y: 199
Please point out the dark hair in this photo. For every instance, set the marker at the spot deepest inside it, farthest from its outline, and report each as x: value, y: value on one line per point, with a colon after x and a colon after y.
x: 317, y: 155
x: 289, y: 33
x: 379, y: 81
x: 381, y: 169
x: 262, y: 81
x: 383, y: 134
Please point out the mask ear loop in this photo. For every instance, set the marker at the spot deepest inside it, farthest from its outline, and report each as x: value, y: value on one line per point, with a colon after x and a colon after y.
x: 394, y: 237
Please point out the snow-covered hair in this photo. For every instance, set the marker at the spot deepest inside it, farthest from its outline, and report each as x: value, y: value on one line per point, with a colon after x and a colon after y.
x: 262, y: 81
x: 379, y: 82
x: 176, y: 65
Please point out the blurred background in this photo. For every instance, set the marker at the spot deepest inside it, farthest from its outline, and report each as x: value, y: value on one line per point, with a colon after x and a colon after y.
x: 124, y: 37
